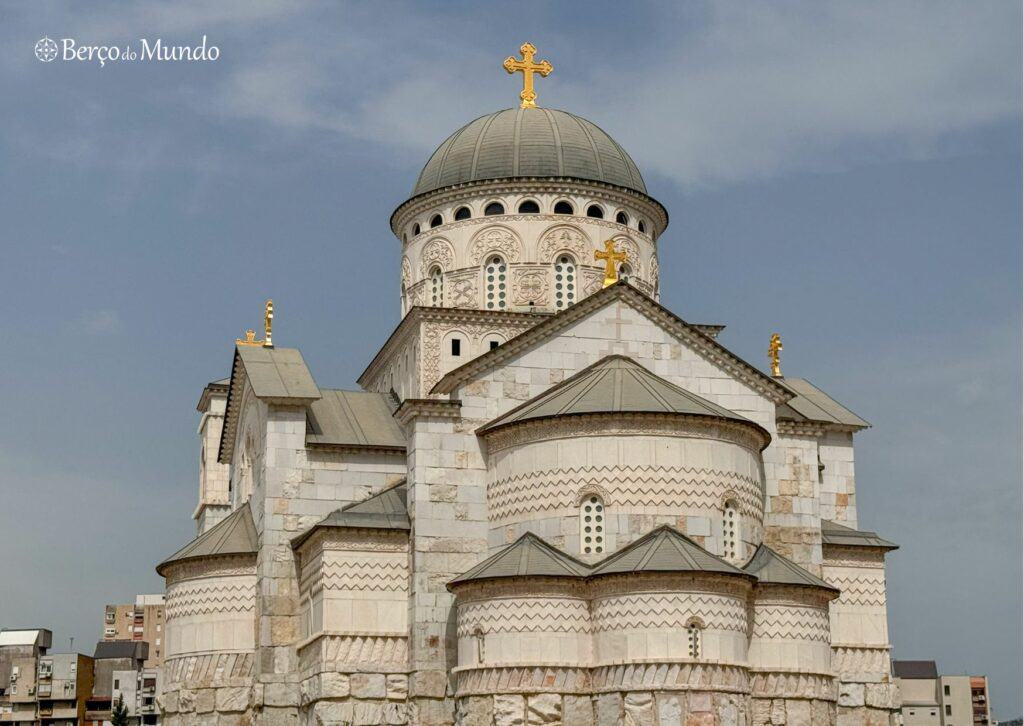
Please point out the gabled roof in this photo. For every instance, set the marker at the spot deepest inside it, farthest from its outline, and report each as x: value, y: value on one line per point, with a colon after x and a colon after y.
x: 813, y: 404
x: 833, y: 533
x: 615, y: 384
x: 915, y: 669
x: 277, y: 375
x: 771, y: 568
x: 354, y: 418
x: 528, y: 556
x: 386, y: 509
x: 621, y: 290
x: 664, y: 549
x: 234, y: 535
x: 134, y: 649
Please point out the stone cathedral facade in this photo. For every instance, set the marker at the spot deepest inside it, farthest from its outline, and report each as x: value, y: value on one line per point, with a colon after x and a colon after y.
x: 550, y: 500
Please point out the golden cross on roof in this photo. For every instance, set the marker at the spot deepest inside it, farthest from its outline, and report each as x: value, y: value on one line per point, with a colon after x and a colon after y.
x: 774, y: 346
x: 268, y: 324
x: 610, y: 257
x: 527, y: 67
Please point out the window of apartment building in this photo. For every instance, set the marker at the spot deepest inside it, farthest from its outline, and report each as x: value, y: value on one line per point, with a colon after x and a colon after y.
x: 945, y: 690
x: 949, y: 709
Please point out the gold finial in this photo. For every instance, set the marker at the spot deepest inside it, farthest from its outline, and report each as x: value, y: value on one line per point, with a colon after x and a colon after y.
x: 527, y: 67
x: 610, y: 257
x: 774, y: 346
x: 268, y: 323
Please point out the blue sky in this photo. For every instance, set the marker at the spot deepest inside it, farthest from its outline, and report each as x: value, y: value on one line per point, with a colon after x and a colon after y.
x: 848, y: 174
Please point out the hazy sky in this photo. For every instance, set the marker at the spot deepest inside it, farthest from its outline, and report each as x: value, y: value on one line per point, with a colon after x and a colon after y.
x: 848, y: 174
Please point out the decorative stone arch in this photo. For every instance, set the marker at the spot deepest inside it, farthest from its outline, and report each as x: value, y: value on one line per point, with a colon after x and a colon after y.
x: 695, y: 620
x: 591, y: 490
x: 486, y: 337
x: 437, y: 251
x: 565, y: 238
x: 624, y: 243
x: 406, y: 272
x: 495, y: 239
x: 655, y: 272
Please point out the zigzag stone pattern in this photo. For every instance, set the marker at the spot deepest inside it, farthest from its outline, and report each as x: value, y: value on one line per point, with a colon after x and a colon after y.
x: 661, y: 611
x: 671, y: 489
x: 859, y: 587
x: 376, y: 575
x: 791, y: 623
x: 223, y: 595
x: 527, y: 615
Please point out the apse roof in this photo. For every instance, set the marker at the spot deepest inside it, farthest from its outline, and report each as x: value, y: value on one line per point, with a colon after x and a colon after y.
x: 385, y: 510
x: 530, y: 143
x: 615, y: 384
x: 833, y: 533
x: 235, y: 534
x: 664, y: 549
x: 772, y: 568
x: 527, y: 556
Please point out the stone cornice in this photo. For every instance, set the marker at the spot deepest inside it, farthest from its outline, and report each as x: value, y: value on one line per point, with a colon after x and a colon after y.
x: 689, y: 334
x: 526, y: 185
x: 413, y: 408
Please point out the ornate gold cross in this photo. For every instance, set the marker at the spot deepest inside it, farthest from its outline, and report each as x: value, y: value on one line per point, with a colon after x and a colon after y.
x: 774, y: 346
x: 527, y: 67
x: 268, y: 324
x: 610, y: 257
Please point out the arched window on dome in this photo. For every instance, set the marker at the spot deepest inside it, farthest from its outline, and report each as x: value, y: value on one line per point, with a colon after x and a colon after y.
x: 565, y: 281
x: 436, y: 221
x: 529, y: 207
x: 595, y: 211
x: 563, y: 207
x: 462, y: 213
x: 622, y: 218
x: 495, y: 278
x: 693, y: 638
x: 436, y: 287
x: 592, y: 525
x: 625, y: 272
x: 642, y: 227
x: 415, y: 229
x: 493, y: 209
x: 730, y: 531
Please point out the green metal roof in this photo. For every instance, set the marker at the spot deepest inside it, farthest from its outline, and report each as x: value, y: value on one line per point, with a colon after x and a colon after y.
x: 664, y: 549
x: 277, y: 373
x: 530, y: 143
x: 772, y: 568
x: 233, y: 535
x: 354, y: 418
x: 813, y: 404
x: 528, y: 556
x: 615, y: 384
x: 833, y: 533
x: 386, y: 509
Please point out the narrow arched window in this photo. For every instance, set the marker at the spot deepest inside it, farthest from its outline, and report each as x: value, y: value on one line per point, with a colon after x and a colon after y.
x: 730, y: 531
x: 622, y: 218
x: 693, y: 640
x: 415, y: 229
x: 436, y: 221
x: 436, y: 287
x: 592, y: 525
x: 563, y: 207
x: 405, y: 300
x: 529, y: 207
x: 641, y: 226
x: 595, y: 211
x: 625, y: 272
x: 494, y: 208
x: 462, y: 213
x: 494, y: 283
x: 565, y: 282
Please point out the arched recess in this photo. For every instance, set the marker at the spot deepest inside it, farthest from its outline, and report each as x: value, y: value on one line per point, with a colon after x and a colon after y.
x: 565, y: 238
x: 626, y: 244
x: 495, y: 239
x: 438, y: 251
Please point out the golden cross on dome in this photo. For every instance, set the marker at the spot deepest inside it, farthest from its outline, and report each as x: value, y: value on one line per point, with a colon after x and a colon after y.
x: 527, y: 67
x: 610, y: 257
x: 774, y: 346
x: 268, y: 324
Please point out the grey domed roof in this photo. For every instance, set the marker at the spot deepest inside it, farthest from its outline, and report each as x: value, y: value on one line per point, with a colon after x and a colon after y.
x: 529, y: 142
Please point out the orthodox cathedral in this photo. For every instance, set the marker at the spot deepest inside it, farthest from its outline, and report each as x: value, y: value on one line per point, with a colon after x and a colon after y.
x: 550, y: 500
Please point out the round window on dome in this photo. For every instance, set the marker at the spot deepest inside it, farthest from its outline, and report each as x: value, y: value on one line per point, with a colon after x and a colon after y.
x: 494, y: 209
x: 529, y: 207
x: 415, y: 229
x: 462, y: 213
x: 436, y: 221
x: 595, y: 212
x: 642, y: 227
x: 563, y: 207
x: 622, y: 218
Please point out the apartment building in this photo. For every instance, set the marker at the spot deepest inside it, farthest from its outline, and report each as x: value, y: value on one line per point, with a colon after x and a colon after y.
x: 63, y: 685
x: 933, y: 700
x: 141, y: 621
x: 20, y: 651
x: 119, y: 674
